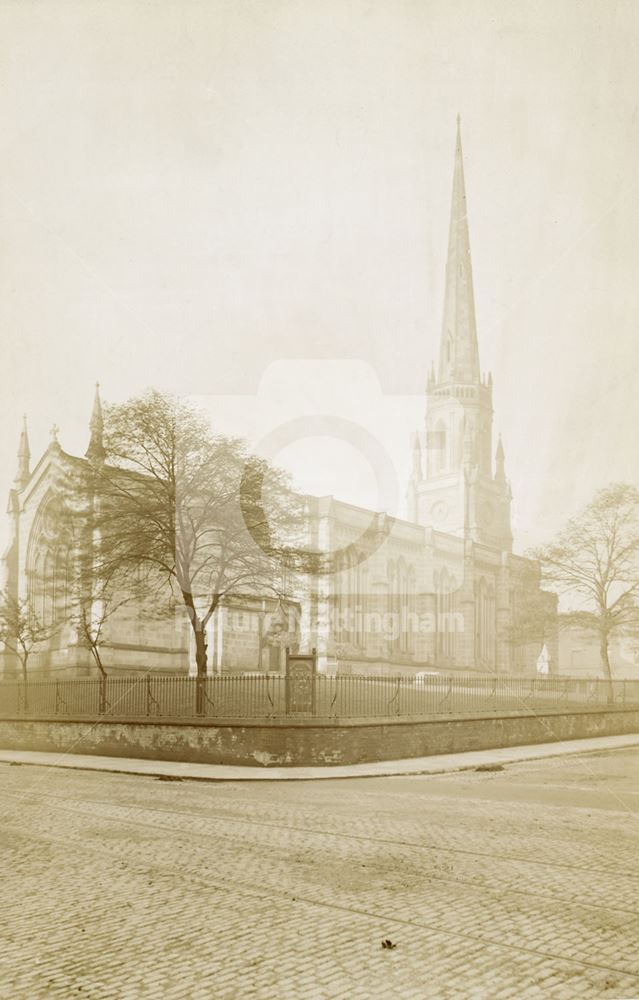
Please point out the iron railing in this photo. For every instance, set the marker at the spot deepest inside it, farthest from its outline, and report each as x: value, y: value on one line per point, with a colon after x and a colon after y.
x: 341, y: 697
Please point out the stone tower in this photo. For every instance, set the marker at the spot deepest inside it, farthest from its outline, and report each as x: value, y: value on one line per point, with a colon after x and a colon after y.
x: 452, y: 486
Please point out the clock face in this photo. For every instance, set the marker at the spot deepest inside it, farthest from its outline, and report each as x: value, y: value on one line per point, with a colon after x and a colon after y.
x: 486, y: 514
x: 439, y: 512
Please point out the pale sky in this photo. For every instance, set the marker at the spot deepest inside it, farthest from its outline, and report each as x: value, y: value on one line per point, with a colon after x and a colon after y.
x: 194, y: 194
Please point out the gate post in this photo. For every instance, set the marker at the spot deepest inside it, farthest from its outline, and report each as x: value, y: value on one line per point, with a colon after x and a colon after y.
x: 301, y: 671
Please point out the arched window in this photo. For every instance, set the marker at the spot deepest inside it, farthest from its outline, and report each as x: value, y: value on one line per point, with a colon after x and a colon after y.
x: 400, y: 606
x: 37, y: 585
x: 362, y: 605
x: 411, y: 611
x: 446, y: 624
x: 452, y: 618
x: 350, y: 581
x: 48, y: 588
x: 340, y: 582
x: 353, y: 590
x: 49, y: 563
x: 440, y: 446
x: 441, y: 587
x: 403, y: 606
x: 61, y: 583
x: 484, y: 623
x: 391, y: 605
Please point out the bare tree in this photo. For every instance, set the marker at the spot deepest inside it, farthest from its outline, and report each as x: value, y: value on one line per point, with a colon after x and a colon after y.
x: 594, y: 562
x: 194, y: 508
x: 92, y: 606
x: 21, y: 631
x: 98, y: 594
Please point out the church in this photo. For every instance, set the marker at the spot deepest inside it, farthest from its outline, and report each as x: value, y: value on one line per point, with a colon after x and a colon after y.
x: 440, y: 591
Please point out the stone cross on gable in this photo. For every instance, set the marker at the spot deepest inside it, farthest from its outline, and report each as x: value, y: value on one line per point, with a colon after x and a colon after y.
x: 55, y: 430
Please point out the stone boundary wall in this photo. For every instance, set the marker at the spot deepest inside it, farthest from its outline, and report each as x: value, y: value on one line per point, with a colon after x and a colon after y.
x: 289, y: 743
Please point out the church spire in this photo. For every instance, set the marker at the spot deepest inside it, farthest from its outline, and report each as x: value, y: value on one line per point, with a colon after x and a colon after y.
x: 500, y: 473
x: 24, y: 457
x: 96, y: 452
x: 459, y: 355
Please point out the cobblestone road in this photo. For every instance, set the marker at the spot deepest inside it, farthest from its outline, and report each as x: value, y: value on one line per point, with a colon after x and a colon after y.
x: 517, y: 884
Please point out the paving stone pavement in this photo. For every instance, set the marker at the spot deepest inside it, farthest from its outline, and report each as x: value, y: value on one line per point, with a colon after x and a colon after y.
x: 514, y: 884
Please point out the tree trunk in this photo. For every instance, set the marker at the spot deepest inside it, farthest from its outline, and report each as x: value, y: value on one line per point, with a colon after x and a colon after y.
x: 23, y: 664
x: 201, y: 664
x: 201, y: 655
x: 605, y: 662
x: 102, y: 707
